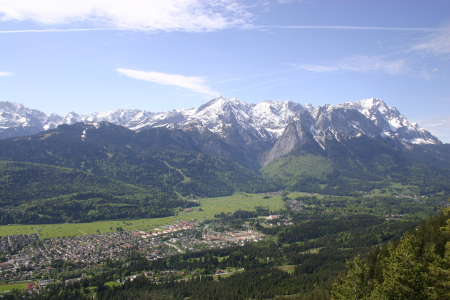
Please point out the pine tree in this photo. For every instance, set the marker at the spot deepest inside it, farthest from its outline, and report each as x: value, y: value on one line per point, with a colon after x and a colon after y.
x: 354, y: 285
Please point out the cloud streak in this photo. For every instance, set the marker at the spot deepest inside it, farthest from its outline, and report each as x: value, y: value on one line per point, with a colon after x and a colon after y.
x: 5, y: 73
x: 194, y: 84
x: 365, y: 64
x: 149, y: 15
x: 57, y: 30
x: 438, y: 43
x: 143, y: 15
x: 349, y: 28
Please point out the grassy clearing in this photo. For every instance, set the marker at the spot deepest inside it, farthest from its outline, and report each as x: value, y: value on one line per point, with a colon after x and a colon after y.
x: 288, y: 268
x: 220, y: 259
x: 10, y: 287
x: 210, y: 207
x: 311, y: 251
x: 216, y: 277
x: 112, y: 283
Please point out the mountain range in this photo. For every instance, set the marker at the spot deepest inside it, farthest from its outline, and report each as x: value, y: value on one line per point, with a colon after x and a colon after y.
x: 277, y: 144
x: 252, y: 128
x: 265, y: 121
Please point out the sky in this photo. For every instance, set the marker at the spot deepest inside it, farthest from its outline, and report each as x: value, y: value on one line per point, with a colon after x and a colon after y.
x: 94, y: 55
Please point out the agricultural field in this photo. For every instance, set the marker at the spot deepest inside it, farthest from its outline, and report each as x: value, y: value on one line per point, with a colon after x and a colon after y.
x: 209, y: 207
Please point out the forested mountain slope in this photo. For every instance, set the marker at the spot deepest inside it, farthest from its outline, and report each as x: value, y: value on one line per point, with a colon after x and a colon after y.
x: 159, y: 158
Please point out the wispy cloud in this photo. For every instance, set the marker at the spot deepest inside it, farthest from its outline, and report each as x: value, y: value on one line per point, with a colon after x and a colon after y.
x: 150, y: 15
x: 145, y: 15
x: 5, y: 73
x: 439, y: 126
x: 284, y: 1
x: 437, y: 43
x: 364, y: 64
x: 58, y: 30
x: 347, y: 28
x: 194, y: 84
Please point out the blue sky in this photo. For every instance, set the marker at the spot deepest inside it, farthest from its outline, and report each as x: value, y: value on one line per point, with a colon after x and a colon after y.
x: 93, y: 55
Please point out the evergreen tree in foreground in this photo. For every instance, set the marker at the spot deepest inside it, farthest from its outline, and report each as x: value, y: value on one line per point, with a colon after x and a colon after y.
x: 416, y: 267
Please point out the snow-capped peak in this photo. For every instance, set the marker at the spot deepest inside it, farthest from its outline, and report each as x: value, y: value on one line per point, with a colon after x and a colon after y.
x: 264, y: 121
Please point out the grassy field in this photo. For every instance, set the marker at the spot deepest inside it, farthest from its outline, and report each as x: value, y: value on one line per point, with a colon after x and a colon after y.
x: 209, y: 206
x: 9, y: 287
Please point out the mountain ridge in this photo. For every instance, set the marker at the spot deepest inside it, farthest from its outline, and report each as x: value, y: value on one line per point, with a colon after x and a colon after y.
x: 264, y: 121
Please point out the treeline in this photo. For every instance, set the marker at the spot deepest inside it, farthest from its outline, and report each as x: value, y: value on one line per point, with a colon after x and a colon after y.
x: 415, y: 267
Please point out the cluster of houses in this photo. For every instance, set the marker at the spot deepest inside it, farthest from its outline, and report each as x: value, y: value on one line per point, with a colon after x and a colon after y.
x: 295, y: 205
x: 12, y: 243
x: 81, y: 250
x: 181, y: 225
x: 275, y: 220
x: 32, y: 259
x: 86, y: 249
x: 226, y: 237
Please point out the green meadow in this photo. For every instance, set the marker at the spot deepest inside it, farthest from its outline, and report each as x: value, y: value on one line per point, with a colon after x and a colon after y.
x: 10, y: 287
x: 209, y: 207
